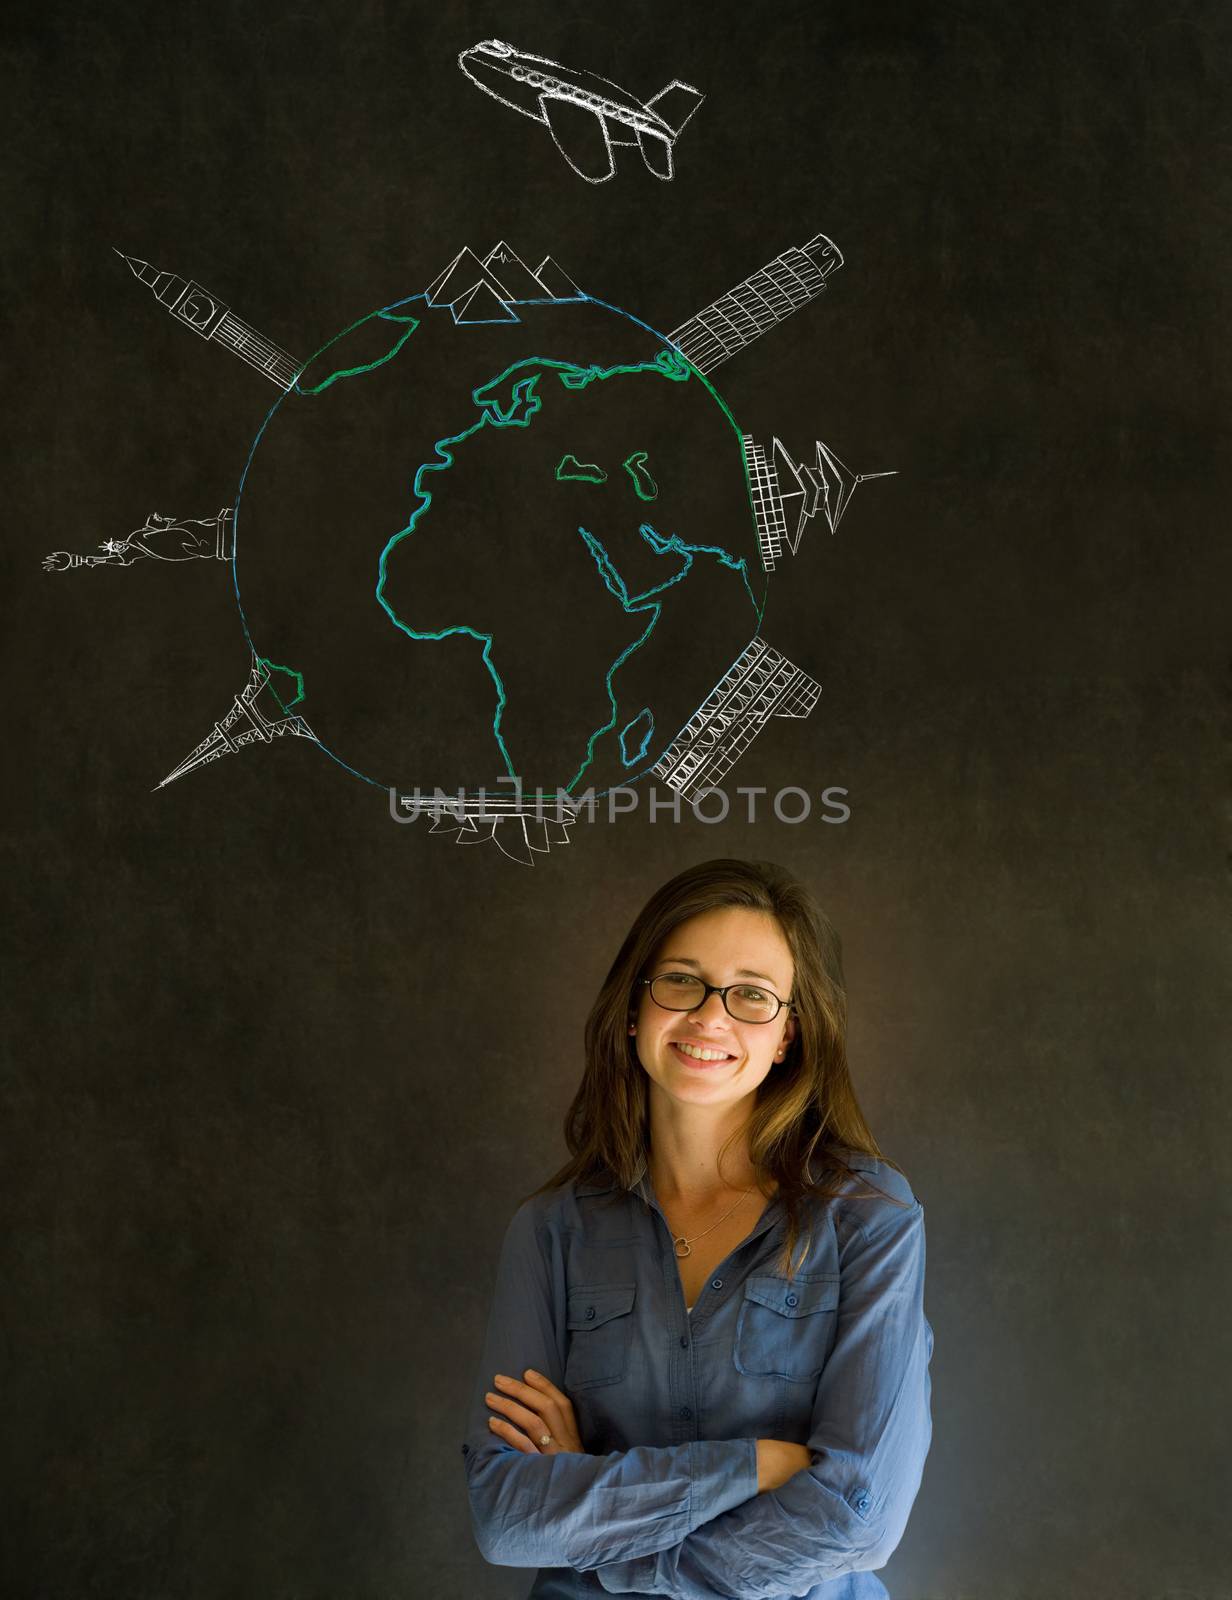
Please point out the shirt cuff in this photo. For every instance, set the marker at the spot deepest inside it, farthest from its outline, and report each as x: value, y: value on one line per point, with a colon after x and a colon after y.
x: 628, y: 1577
x: 724, y: 1477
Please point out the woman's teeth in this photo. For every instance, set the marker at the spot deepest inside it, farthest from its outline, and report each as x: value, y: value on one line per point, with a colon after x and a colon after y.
x: 702, y: 1055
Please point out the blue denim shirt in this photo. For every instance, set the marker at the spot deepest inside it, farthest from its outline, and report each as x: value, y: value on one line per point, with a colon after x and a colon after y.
x: 669, y: 1404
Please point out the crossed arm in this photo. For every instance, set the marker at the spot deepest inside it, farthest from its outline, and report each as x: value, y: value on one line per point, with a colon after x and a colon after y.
x: 529, y: 1405
x: 699, y: 1520
x: 568, y: 1508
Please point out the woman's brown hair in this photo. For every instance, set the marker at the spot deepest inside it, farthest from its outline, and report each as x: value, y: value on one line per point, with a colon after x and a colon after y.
x: 805, y: 1119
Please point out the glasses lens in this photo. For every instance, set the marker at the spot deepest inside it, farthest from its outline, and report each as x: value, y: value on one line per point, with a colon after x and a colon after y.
x: 680, y: 991
x: 751, y: 1004
x: 677, y: 991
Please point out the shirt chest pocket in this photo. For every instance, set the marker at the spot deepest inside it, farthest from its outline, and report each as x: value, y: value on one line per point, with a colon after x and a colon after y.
x: 785, y: 1326
x: 599, y: 1319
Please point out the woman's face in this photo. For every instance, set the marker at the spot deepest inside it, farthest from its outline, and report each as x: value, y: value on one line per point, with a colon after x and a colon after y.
x: 729, y: 945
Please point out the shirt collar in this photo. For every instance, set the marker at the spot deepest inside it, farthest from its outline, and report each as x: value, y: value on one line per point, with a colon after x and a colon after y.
x: 607, y: 1180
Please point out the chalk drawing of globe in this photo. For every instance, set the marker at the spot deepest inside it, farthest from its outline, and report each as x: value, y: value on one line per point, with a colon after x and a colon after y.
x: 484, y: 548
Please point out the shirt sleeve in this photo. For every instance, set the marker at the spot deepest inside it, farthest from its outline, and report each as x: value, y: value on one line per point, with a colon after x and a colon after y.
x: 870, y: 1433
x: 570, y: 1509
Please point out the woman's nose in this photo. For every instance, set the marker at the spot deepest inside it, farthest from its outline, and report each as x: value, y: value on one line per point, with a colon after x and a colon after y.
x: 713, y: 1000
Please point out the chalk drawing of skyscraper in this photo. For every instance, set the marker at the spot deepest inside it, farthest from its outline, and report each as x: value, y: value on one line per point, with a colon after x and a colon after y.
x: 761, y: 683
x: 786, y: 493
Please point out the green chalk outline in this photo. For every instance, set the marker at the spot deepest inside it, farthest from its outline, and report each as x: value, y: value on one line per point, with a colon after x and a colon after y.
x: 272, y: 667
x: 367, y: 366
x: 587, y: 471
x: 636, y: 467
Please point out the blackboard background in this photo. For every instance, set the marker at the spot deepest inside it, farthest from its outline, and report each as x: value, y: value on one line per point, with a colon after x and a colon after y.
x: 276, y: 1070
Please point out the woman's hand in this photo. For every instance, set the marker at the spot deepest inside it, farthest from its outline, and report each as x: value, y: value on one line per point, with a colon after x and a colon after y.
x: 537, y: 1406
x: 778, y: 1460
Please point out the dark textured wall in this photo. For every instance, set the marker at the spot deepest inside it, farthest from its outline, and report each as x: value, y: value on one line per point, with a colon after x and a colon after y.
x: 276, y: 1070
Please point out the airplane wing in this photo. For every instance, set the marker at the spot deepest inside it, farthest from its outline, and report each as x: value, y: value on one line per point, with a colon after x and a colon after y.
x: 581, y: 136
x: 656, y: 153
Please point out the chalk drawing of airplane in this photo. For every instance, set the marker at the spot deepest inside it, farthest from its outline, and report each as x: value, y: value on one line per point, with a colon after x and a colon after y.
x: 585, y: 114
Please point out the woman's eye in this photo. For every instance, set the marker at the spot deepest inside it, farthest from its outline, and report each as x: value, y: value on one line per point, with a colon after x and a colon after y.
x: 755, y: 995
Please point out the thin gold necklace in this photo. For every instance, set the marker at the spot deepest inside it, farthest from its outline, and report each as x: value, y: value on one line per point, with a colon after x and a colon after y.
x: 688, y: 1243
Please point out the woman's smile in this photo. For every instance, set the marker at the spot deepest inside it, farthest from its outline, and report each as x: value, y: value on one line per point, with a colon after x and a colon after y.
x: 682, y: 1048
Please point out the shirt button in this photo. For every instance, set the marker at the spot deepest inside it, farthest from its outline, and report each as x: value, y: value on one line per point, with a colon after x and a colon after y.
x: 716, y: 1283
x: 792, y: 1300
x: 685, y: 1412
x: 862, y: 1503
x: 684, y: 1341
x: 590, y: 1311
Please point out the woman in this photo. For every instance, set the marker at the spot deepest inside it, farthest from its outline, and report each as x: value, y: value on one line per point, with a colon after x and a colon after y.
x: 706, y: 1364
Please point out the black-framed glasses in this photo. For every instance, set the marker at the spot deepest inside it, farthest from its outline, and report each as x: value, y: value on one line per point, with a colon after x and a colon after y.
x: 682, y: 991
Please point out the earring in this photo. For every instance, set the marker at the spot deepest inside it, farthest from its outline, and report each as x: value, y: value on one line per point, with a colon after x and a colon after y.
x: 632, y: 1028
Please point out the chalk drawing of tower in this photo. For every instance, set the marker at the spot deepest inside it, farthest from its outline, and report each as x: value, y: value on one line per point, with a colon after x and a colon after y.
x: 209, y: 316
x: 757, y: 304
x: 256, y: 716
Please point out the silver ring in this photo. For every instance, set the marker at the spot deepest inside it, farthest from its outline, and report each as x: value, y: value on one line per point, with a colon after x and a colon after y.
x: 546, y: 1439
